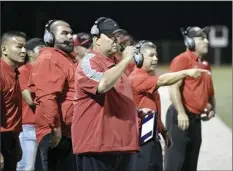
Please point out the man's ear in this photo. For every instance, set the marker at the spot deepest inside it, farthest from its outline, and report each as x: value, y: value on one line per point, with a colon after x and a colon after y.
x: 30, y: 53
x: 96, y: 40
x: 4, y: 50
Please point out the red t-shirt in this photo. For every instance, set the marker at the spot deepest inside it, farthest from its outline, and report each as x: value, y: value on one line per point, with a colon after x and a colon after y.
x: 145, y: 92
x: 28, y: 117
x: 195, y: 92
x: 52, y: 80
x: 11, y: 99
x: 106, y: 122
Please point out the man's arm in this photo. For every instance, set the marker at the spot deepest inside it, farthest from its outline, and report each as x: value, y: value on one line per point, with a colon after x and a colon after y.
x: 48, y: 79
x: 176, y: 97
x: 174, y: 77
x: 28, y: 98
x: 111, y: 76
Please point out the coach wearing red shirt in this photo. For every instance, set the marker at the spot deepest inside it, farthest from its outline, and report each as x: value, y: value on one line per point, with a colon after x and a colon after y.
x: 104, y: 126
x: 28, y: 136
x: 145, y: 84
x: 189, y: 99
x: 13, y: 54
x: 52, y: 80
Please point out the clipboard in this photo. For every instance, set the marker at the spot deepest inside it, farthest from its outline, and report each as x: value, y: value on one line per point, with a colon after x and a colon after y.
x: 149, y: 127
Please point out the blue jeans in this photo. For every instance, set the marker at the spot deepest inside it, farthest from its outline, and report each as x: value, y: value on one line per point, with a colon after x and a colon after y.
x: 29, y: 147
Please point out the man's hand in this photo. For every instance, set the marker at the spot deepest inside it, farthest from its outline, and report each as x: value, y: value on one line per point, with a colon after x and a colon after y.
x: 56, y: 137
x: 195, y: 72
x: 1, y: 161
x: 144, y: 111
x: 167, y: 139
x: 183, y: 121
x: 209, y: 111
x: 129, y: 52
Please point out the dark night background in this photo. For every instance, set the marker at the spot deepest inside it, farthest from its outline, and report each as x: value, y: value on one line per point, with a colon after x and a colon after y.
x: 156, y: 21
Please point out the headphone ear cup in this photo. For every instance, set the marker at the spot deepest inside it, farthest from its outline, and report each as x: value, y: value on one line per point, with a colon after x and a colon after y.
x: 138, y: 58
x: 189, y: 43
x: 94, y: 30
x: 48, y: 37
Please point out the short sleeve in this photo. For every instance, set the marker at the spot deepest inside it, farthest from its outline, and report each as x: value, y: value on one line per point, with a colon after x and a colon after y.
x: 88, y: 74
x: 144, y: 84
x: 179, y: 63
x: 23, y: 78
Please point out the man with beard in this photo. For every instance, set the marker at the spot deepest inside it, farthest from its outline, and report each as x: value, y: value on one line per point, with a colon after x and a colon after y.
x: 52, y: 80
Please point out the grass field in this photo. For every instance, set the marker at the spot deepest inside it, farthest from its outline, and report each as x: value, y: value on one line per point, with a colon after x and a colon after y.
x: 222, y: 77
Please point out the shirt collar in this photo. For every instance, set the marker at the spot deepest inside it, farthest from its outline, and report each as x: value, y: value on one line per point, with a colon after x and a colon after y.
x: 69, y: 56
x: 9, y: 69
x: 110, y: 62
x: 140, y: 70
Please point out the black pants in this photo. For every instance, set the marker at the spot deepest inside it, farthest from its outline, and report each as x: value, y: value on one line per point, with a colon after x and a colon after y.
x: 58, y: 158
x: 183, y: 155
x: 9, y: 150
x: 103, y: 162
x: 150, y: 157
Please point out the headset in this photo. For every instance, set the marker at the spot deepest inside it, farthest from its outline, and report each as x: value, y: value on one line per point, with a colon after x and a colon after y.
x: 138, y: 57
x: 95, y: 28
x: 49, y: 37
x: 189, y: 42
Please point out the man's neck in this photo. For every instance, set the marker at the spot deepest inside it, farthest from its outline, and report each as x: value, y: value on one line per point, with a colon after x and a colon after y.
x: 31, y: 61
x: 10, y: 62
x: 198, y: 55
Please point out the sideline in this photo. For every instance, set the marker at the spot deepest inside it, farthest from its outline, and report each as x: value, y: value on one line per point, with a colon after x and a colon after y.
x: 216, y: 149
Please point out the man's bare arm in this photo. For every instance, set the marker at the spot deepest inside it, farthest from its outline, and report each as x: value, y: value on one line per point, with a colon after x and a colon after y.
x: 111, y: 76
x: 176, y: 97
x: 174, y: 77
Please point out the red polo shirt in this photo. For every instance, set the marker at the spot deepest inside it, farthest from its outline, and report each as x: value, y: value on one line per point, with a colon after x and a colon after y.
x: 145, y: 92
x: 195, y: 92
x: 52, y: 80
x: 107, y: 122
x: 11, y: 99
x: 28, y: 117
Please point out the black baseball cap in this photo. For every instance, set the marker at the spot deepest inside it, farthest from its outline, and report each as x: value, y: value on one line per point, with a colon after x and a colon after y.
x: 198, y: 32
x: 34, y: 42
x: 82, y: 39
x: 109, y: 27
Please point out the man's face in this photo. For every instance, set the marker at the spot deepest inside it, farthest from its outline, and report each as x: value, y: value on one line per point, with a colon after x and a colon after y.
x: 201, y: 45
x: 123, y: 39
x: 108, y: 43
x: 15, y: 50
x: 150, y: 59
x: 63, y: 33
x: 80, y: 52
x: 35, y: 52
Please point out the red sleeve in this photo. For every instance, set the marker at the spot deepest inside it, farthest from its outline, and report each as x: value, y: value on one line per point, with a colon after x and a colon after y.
x: 144, y: 84
x: 179, y: 63
x: 48, y: 79
x: 88, y: 74
x: 23, y: 78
